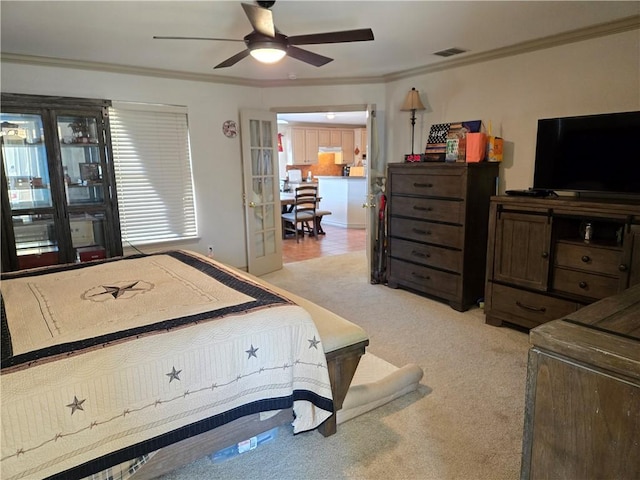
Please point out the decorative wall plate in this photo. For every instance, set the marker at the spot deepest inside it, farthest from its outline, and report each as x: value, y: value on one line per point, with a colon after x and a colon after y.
x: 230, y: 129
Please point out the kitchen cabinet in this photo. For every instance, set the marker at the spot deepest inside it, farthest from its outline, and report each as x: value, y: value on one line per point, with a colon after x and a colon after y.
x: 330, y: 137
x: 306, y: 141
x: 437, y: 234
x: 59, y: 204
x: 361, y: 144
x: 541, y: 267
x: 304, y: 146
x: 348, y: 146
x: 311, y: 145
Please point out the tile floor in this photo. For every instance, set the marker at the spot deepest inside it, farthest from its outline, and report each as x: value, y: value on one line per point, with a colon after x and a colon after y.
x: 336, y: 240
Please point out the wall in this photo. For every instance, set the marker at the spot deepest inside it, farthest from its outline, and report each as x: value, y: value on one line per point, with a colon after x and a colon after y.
x: 594, y: 76
x: 597, y: 75
x: 216, y: 159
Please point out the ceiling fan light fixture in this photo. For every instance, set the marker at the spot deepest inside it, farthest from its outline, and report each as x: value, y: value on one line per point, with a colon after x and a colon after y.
x: 270, y: 53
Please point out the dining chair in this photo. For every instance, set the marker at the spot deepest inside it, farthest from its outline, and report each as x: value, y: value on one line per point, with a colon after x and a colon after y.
x: 303, y: 212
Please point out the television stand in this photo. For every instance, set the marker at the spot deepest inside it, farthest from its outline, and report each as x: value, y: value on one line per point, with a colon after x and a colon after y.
x: 548, y: 257
x: 532, y: 192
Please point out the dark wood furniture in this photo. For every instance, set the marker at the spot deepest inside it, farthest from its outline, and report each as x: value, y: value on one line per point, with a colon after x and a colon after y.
x: 539, y: 265
x: 582, y: 410
x: 437, y: 233
x: 58, y: 197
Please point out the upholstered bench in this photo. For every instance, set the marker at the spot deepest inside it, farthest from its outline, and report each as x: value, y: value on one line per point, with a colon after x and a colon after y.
x: 319, y: 215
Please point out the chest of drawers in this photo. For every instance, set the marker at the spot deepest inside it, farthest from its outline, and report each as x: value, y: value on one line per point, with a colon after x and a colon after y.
x: 437, y: 235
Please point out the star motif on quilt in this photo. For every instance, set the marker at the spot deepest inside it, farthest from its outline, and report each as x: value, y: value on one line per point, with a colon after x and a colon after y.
x: 173, y: 374
x: 313, y: 343
x: 76, y: 405
x: 252, y: 352
x: 116, y: 290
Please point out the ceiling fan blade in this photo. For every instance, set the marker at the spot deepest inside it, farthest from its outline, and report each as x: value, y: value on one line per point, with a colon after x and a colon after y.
x: 261, y: 19
x: 308, y: 57
x: 158, y: 37
x: 361, y: 35
x: 233, y: 60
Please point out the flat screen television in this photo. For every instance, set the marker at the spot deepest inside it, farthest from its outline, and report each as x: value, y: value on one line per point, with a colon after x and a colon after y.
x: 595, y: 155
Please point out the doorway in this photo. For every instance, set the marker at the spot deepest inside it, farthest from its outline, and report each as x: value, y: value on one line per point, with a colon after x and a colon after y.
x: 338, y: 237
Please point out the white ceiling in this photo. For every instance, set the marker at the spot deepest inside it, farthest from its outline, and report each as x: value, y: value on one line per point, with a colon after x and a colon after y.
x: 338, y: 118
x: 117, y: 35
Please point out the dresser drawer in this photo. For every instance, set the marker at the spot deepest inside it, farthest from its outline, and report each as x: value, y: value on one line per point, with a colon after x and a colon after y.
x: 429, y: 185
x: 589, y: 258
x: 451, y: 211
x: 424, y: 279
x: 430, y: 255
x: 447, y: 235
x: 583, y: 283
x: 533, y: 307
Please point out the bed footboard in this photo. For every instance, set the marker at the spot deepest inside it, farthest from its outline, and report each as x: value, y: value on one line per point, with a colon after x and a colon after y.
x: 342, y: 364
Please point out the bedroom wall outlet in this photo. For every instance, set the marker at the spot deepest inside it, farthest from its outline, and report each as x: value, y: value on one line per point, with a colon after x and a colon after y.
x: 210, y: 251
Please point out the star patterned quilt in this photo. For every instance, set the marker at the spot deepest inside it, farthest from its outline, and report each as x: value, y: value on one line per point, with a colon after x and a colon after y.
x: 106, y: 361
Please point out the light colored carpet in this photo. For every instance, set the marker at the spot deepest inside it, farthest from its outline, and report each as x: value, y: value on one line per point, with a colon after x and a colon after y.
x: 464, y: 421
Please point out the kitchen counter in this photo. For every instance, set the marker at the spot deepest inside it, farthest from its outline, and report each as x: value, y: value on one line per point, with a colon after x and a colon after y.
x: 336, y: 177
x: 343, y: 197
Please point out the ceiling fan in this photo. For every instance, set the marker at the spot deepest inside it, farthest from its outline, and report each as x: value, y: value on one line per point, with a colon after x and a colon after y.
x: 268, y: 45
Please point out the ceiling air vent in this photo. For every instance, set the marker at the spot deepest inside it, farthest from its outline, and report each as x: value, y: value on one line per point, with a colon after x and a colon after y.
x: 449, y: 52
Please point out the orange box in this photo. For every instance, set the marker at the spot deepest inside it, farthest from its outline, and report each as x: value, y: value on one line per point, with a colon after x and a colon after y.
x: 476, y: 147
x: 495, y: 146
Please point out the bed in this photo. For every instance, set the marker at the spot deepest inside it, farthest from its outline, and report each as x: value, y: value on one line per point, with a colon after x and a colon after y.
x: 163, y: 357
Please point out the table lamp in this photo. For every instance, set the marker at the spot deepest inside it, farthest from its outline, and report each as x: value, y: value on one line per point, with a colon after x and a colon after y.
x: 411, y: 104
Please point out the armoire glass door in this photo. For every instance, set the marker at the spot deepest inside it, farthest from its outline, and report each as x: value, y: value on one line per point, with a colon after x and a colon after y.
x: 28, y: 184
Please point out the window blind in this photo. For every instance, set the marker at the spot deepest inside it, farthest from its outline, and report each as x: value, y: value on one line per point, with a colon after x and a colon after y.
x: 152, y: 164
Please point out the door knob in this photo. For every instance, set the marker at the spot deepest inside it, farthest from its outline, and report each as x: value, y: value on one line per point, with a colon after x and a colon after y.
x: 252, y: 204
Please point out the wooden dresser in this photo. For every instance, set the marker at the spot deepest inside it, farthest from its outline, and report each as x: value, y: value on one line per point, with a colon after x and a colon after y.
x: 540, y: 267
x: 437, y: 232
x: 582, y: 408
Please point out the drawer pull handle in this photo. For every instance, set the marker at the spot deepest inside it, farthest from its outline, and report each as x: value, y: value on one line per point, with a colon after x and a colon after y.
x: 423, y: 185
x: 586, y: 258
x: 583, y: 285
x: 545, y: 254
x: 531, y: 308
x: 422, y: 209
x: 423, y: 277
x: 622, y: 267
x: 421, y: 232
x: 420, y: 254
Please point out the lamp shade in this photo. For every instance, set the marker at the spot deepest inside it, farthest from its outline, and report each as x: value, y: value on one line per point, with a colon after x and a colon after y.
x: 268, y: 55
x: 412, y: 102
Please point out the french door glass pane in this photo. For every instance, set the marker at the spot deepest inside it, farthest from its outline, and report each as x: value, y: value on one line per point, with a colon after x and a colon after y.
x: 80, y: 155
x: 254, y: 134
x: 267, y: 135
x: 25, y: 161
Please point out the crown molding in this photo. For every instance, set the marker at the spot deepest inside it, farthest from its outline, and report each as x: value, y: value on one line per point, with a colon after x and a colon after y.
x: 619, y: 26
x: 600, y: 30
